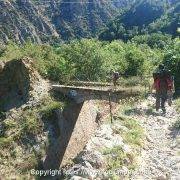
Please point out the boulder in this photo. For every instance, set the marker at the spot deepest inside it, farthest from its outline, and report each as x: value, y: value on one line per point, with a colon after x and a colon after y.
x: 104, y: 131
x: 79, y: 170
x: 16, y: 78
x: 95, y: 158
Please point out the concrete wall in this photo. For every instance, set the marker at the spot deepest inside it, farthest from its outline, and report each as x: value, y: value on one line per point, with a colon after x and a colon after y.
x: 79, y: 124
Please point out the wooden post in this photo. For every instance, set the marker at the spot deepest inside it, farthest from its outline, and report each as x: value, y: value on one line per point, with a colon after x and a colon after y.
x: 110, y: 107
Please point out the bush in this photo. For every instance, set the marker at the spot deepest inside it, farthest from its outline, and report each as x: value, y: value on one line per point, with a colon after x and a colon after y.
x: 117, y: 157
x: 177, y: 124
x: 155, y: 40
x: 86, y: 59
x: 172, y: 61
x: 177, y: 102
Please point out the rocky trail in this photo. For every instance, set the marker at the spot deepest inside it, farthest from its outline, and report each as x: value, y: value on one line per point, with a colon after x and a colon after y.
x: 160, y: 156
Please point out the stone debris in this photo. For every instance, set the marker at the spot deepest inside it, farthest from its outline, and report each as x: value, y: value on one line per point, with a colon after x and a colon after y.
x: 94, y: 158
x: 91, y: 162
x: 159, y: 159
x: 118, y: 127
x: 105, y: 132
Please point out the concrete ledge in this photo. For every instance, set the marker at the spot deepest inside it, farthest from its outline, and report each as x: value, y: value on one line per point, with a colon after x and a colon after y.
x: 79, y: 124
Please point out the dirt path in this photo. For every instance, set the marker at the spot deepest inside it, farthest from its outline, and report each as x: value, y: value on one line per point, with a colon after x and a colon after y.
x: 161, y: 154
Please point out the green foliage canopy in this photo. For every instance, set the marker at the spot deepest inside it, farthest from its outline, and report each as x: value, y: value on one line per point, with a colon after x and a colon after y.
x: 87, y: 59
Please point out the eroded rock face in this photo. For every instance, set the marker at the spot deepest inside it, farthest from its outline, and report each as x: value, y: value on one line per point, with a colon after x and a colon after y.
x: 45, y: 21
x: 16, y: 77
x: 21, y: 19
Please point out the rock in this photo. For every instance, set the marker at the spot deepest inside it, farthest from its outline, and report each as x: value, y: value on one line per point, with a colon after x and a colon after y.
x: 161, y: 119
x: 87, y: 173
x: 36, y: 148
x: 87, y: 164
x: 95, y: 158
x: 117, y: 140
x: 126, y: 161
x: 149, y: 139
x: 73, y: 170
x: 126, y: 148
x: 98, y: 143
x: 117, y: 127
x: 78, y: 178
x: 2, y: 129
x: 122, y: 172
x: 25, y: 107
x: 105, y: 132
x: 162, y: 177
x: 80, y: 171
x: 2, y: 64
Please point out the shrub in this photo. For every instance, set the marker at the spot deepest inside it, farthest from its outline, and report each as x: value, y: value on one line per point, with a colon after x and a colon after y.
x: 172, y: 61
x: 86, y: 59
x: 117, y: 157
x: 177, y: 124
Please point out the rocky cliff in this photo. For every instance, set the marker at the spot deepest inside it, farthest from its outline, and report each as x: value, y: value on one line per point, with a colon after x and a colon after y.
x: 16, y: 79
x: 21, y: 19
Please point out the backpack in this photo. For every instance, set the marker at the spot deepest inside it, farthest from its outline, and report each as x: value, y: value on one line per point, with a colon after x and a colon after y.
x: 116, y: 75
x: 162, y: 80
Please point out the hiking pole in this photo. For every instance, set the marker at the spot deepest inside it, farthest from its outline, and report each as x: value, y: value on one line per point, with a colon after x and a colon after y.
x: 110, y: 107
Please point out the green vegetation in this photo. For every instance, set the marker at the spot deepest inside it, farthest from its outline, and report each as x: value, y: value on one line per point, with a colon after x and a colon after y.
x: 30, y: 162
x: 47, y: 109
x: 172, y: 60
x: 134, y: 20
x: 177, y: 123
x: 144, y: 17
x: 19, y: 136
x: 135, y: 134
x: 168, y: 23
x: 90, y: 59
x: 134, y: 81
x: 117, y: 157
x: 29, y: 123
x: 132, y: 134
x: 86, y: 59
x: 155, y: 40
x: 177, y: 105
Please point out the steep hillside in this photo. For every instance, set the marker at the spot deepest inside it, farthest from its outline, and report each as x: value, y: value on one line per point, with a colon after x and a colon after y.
x: 44, y: 21
x: 168, y: 23
x: 53, y: 21
x: 135, y: 20
x: 82, y: 19
x: 20, y: 20
x: 123, y: 3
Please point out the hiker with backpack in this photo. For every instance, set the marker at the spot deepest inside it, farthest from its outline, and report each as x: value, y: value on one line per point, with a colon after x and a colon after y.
x: 163, y: 84
x: 115, y: 77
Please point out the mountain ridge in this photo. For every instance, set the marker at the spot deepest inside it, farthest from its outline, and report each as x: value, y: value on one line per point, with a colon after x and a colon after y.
x: 64, y: 20
x: 43, y: 21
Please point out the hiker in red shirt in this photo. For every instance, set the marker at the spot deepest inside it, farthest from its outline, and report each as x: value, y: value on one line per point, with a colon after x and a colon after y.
x: 163, y: 84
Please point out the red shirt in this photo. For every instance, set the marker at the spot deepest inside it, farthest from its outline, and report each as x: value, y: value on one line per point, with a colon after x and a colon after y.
x: 163, y: 84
